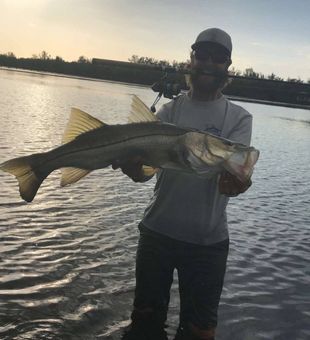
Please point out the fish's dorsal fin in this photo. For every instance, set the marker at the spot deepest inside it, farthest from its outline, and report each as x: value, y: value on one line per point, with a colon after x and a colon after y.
x: 79, y: 122
x: 72, y: 175
x: 140, y: 112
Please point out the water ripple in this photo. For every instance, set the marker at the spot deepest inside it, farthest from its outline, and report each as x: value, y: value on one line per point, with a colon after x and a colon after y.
x: 67, y: 260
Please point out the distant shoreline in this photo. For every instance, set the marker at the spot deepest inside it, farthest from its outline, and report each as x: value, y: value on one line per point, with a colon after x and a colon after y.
x: 229, y: 96
x: 266, y: 102
x: 63, y: 75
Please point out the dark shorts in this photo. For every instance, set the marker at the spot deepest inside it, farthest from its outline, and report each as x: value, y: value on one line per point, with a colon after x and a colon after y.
x: 201, y: 271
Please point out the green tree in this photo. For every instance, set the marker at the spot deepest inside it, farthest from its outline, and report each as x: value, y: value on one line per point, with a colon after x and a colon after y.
x: 295, y: 80
x: 235, y: 72
x: 272, y: 76
x: 44, y: 55
x: 59, y: 59
x: 83, y: 60
x: 250, y: 73
x: 183, y: 66
x: 11, y: 55
x: 134, y: 59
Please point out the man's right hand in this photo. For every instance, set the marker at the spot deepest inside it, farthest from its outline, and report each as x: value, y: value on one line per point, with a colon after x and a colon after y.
x: 132, y: 169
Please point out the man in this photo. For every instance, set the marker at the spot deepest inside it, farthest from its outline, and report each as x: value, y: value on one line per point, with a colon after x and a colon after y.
x: 185, y: 226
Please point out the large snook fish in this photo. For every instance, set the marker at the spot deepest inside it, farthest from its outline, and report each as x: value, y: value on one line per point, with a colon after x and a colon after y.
x: 90, y: 144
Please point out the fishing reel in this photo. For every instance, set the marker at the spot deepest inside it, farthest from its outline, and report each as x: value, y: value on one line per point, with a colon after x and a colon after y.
x: 173, y: 81
x: 167, y: 87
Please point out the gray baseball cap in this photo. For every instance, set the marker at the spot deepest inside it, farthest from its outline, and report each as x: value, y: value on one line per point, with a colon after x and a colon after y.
x: 214, y: 35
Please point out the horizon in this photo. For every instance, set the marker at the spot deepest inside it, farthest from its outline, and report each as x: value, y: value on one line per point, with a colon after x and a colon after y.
x: 117, y: 30
x: 242, y: 74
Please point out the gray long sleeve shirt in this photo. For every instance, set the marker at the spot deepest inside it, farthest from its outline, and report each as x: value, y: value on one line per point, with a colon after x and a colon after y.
x: 184, y: 206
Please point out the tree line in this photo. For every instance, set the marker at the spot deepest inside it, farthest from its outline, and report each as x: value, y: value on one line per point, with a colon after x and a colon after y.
x: 248, y: 72
x: 146, y: 71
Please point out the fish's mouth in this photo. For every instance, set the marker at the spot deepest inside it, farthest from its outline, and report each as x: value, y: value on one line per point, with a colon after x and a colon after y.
x: 243, y: 170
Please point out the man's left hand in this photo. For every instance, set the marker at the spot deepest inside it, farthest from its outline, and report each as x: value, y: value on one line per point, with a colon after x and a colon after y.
x: 231, y: 186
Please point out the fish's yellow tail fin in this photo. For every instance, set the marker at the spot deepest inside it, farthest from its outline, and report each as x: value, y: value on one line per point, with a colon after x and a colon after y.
x: 23, y: 169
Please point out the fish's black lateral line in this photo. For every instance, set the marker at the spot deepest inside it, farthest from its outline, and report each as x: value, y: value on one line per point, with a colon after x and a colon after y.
x: 98, y: 147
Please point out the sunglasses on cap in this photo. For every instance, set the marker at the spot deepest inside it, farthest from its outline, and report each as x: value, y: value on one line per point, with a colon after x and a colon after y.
x: 218, y: 57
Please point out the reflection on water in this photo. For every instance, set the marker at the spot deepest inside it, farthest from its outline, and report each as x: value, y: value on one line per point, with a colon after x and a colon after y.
x: 295, y: 120
x: 67, y: 259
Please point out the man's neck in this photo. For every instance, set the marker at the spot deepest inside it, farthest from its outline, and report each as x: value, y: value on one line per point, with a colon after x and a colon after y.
x: 203, y: 96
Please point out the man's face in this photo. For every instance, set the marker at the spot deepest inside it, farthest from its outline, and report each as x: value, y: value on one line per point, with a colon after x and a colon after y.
x: 210, y: 58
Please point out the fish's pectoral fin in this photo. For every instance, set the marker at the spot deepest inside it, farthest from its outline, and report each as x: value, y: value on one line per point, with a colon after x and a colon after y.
x: 72, y: 175
x: 149, y: 171
x: 25, y: 169
x: 139, y: 112
x: 80, y: 122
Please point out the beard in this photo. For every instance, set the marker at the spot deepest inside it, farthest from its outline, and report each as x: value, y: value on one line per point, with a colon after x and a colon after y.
x: 208, y: 79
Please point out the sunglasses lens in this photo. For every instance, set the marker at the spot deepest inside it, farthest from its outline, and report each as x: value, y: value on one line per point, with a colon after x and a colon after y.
x: 204, y: 54
x: 220, y: 58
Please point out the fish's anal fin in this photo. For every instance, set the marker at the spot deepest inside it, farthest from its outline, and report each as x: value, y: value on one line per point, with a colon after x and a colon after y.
x: 79, y: 122
x: 72, y: 175
x: 149, y: 171
x: 139, y: 112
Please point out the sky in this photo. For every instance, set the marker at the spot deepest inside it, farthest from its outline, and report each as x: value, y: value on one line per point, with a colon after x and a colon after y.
x: 270, y: 36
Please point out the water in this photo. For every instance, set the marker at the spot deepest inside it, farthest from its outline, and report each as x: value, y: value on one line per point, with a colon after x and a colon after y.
x: 67, y: 259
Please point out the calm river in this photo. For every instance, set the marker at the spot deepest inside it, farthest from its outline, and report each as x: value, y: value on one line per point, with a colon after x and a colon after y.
x: 67, y: 258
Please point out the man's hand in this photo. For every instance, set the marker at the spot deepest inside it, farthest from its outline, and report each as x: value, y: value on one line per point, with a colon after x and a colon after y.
x: 132, y: 169
x: 231, y: 186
